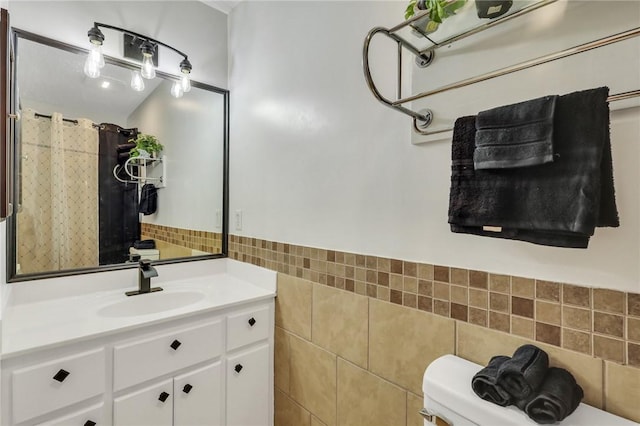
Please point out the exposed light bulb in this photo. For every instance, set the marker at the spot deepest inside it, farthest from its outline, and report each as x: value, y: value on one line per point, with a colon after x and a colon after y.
x: 176, y: 90
x: 95, y: 61
x: 137, y: 83
x: 185, y: 82
x: 91, y: 68
x: 95, y: 51
x: 148, y: 71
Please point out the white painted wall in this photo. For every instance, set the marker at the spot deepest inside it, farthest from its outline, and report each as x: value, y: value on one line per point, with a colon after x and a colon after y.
x: 190, y: 26
x: 191, y: 129
x: 317, y: 161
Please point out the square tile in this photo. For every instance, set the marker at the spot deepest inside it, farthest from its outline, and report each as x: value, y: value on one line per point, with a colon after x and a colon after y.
x: 459, y: 295
x: 401, y: 342
x: 441, y: 291
x: 478, y: 316
x: 313, y: 379
x: 499, y: 302
x: 633, y: 304
x: 288, y: 413
x: 612, y: 325
x: 523, y: 287
x: 575, y: 295
x: 479, y: 279
x: 425, y: 303
x: 478, y: 298
x: 547, y: 333
x: 425, y: 271
x: 522, y: 307
x: 341, y: 323
x: 609, y: 300
x: 522, y: 327
x: 499, y: 321
x: 441, y: 273
x: 281, y: 359
x: 633, y: 329
x: 576, y: 341
x: 608, y: 349
x: 459, y: 276
x: 293, y: 305
x: 547, y: 290
x: 458, y: 312
x: 622, y: 390
x: 366, y: 399
x: 548, y: 312
x: 500, y: 283
x: 576, y: 318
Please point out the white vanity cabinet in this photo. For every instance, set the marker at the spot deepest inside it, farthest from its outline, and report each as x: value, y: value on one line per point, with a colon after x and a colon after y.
x: 206, y: 369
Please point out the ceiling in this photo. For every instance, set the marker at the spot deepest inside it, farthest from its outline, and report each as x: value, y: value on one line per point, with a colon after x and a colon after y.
x: 222, y: 5
x: 51, y: 78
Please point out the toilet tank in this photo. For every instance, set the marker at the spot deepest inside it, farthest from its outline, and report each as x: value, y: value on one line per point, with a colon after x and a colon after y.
x: 447, y: 394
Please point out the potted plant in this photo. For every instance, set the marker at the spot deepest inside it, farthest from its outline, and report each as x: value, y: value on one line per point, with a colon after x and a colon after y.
x: 147, y: 146
x: 439, y: 10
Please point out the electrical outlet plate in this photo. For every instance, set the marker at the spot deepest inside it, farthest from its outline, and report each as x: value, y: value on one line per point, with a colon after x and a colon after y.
x: 238, y: 220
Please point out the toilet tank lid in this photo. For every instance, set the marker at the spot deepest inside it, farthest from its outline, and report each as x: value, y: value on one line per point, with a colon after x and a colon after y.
x: 447, y: 383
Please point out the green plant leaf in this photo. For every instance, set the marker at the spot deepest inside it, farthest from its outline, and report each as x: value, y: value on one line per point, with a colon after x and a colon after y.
x: 409, y: 12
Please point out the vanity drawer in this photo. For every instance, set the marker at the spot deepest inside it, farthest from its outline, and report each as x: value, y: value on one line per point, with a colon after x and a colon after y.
x: 93, y: 416
x: 247, y: 327
x: 46, y: 387
x: 149, y: 358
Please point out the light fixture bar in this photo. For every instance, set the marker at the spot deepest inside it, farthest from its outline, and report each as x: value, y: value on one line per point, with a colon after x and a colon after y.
x: 140, y: 36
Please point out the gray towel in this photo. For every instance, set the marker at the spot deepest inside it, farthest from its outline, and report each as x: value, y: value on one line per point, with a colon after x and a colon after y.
x: 558, y: 397
x: 485, y: 383
x: 522, y: 375
x: 517, y: 135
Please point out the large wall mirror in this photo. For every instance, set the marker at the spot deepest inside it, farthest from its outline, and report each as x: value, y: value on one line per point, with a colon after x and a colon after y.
x: 82, y: 203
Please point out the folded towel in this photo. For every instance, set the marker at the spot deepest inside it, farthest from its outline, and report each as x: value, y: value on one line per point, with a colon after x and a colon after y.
x: 517, y: 135
x: 144, y: 244
x: 125, y: 147
x: 522, y: 375
x: 148, y: 199
x: 558, y: 203
x: 485, y: 385
x: 558, y: 397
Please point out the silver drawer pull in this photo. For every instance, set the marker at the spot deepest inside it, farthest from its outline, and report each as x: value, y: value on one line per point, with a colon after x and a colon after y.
x: 434, y: 418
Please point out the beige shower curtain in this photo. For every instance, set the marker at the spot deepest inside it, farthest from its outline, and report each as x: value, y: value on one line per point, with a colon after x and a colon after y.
x: 57, y: 223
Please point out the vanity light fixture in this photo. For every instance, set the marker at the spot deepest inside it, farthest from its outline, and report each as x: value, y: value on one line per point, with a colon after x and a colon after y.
x: 148, y: 47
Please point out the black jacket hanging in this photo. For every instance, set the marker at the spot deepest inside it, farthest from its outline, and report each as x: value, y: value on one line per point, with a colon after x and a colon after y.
x: 148, y: 199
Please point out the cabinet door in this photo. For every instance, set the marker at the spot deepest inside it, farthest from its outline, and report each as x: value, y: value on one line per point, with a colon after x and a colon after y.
x: 248, y: 393
x: 198, y: 397
x: 151, y: 406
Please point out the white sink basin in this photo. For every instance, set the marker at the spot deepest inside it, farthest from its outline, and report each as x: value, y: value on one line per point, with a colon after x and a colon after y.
x: 145, y: 304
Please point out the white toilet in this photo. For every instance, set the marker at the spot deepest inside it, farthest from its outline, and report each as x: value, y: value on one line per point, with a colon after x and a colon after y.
x: 448, y: 395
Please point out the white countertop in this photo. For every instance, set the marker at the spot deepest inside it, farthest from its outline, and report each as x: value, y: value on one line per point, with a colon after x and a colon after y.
x: 31, y: 324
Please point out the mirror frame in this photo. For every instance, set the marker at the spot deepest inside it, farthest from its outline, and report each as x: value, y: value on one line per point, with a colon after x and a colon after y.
x: 11, y: 220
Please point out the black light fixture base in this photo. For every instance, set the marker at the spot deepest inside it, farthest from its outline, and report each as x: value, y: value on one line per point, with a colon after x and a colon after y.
x: 132, y: 49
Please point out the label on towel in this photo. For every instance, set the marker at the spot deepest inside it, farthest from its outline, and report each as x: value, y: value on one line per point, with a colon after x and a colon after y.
x: 492, y: 10
x: 492, y: 228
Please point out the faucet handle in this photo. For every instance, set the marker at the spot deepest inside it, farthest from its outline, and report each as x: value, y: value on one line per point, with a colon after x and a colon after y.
x: 145, y: 264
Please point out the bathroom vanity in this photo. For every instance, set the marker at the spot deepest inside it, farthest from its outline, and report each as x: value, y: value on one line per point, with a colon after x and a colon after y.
x: 200, y: 352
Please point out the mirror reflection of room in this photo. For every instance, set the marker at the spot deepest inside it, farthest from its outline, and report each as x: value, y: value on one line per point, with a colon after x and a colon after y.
x: 88, y: 194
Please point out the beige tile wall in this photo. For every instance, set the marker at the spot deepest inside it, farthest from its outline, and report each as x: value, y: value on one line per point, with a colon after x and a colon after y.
x: 351, y: 325
x: 208, y: 242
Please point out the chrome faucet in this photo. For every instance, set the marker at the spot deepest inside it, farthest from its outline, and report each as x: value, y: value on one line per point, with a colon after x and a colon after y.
x: 145, y: 273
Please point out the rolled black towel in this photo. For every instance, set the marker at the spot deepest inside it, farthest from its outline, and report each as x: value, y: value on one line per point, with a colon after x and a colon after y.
x: 558, y: 397
x: 125, y: 147
x: 485, y: 385
x: 523, y: 374
x: 144, y: 244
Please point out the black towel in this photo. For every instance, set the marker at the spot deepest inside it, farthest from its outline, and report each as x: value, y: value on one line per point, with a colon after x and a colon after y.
x: 148, y: 199
x: 125, y: 147
x: 558, y: 397
x: 144, y: 244
x: 518, y: 135
x: 485, y: 385
x: 558, y: 203
x: 123, y: 157
x: 523, y: 374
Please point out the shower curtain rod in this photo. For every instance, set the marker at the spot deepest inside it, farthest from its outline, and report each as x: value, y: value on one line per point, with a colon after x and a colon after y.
x: 68, y: 120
